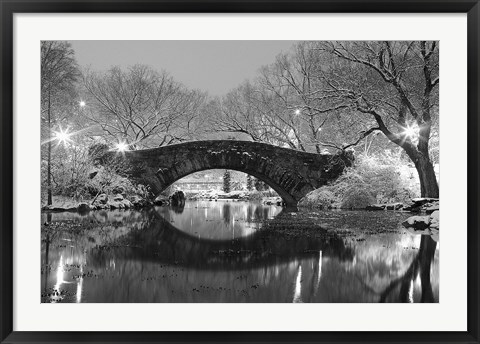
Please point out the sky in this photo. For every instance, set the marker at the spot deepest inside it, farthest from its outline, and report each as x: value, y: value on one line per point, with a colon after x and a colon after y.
x: 212, y: 66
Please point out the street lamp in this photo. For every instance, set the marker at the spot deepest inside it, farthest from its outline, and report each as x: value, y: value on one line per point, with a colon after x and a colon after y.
x: 121, y: 147
x: 62, y: 136
x: 411, y: 131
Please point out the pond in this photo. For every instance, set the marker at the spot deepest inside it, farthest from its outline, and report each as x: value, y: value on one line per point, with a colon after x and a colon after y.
x: 235, y: 251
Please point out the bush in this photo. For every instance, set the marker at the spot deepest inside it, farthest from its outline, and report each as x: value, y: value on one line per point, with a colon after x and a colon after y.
x: 357, y: 198
x: 373, y: 179
x: 320, y: 198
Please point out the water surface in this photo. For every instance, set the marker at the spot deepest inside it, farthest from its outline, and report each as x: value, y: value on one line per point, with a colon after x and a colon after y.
x: 228, y: 251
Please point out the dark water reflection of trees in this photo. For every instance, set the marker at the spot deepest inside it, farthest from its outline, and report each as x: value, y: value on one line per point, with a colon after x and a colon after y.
x: 221, y: 252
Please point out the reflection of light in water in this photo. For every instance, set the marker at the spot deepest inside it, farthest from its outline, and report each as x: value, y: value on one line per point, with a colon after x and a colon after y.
x: 409, y: 240
x: 297, y: 296
x: 418, y: 281
x: 80, y: 285
x: 60, y: 280
x: 319, y: 267
x: 417, y: 240
x: 319, y: 271
x: 410, y: 292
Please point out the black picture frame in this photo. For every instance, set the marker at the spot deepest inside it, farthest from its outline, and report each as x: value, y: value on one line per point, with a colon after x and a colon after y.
x: 10, y: 7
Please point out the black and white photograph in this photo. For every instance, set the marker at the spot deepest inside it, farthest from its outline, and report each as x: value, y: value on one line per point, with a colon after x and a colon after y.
x: 239, y: 171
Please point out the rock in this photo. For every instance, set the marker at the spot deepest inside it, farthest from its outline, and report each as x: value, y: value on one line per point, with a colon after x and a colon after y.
x: 177, y: 199
x: 385, y: 206
x: 118, y: 197
x: 375, y: 207
x: 431, y: 207
x: 273, y: 201
x: 137, y: 201
x: 118, y: 204
x: 417, y: 222
x: 102, y: 198
x: 83, y: 208
x: 435, y: 220
x: 425, y: 225
x: 55, y: 208
x: 424, y: 200
x: 127, y: 204
x: 418, y: 204
x: 92, y: 174
x: 161, y: 200
x: 118, y: 190
x: 394, y: 206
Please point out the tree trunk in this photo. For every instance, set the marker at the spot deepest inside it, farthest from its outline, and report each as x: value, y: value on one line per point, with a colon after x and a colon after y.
x: 428, y: 179
x: 49, y: 154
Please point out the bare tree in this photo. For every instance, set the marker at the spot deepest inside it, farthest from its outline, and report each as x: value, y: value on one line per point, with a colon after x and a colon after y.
x: 395, y: 84
x: 302, y: 106
x: 238, y: 112
x: 286, y: 104
x: 142, y: 107
x: 59, y: 73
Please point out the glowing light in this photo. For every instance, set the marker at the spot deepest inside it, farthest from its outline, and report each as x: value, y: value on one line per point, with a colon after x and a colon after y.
x: 62, y: 136
x: 121, y: 147
x: 411, y: 131
x: 82, y: 103
x: 297, y: 112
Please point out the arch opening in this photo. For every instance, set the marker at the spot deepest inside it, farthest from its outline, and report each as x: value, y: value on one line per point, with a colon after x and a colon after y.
x: 213, y: 179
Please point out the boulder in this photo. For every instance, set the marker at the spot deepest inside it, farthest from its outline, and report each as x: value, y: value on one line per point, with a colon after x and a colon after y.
x: 177, y: 199
x: 161, y: 200
x: 385, y: 206
x: 118, y: 197
x: 423, y: 200
x: 137, y: 201
x: 420, y: 223
x: 118, y: 190
x: 431, y: 207
x: 435, y: 220
x: 102, y: 198
x: 393, y: 206
x: 84, y: 208
x: 375, y: 207
x: 56, y: 208
x: 417, y: 222
x: 127, y: 204
x: 122, y: 204
x: 92, y: 174
x: 418, y: 203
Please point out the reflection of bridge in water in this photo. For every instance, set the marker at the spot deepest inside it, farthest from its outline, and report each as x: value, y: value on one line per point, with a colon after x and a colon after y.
x: 145, y: 258
x: 160, y: 241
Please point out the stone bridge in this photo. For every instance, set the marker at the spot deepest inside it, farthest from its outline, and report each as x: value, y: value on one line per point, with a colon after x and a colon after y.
x: 291, y: 173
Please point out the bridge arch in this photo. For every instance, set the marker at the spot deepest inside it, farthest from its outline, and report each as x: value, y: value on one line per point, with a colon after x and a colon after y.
x: 292, y: 174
